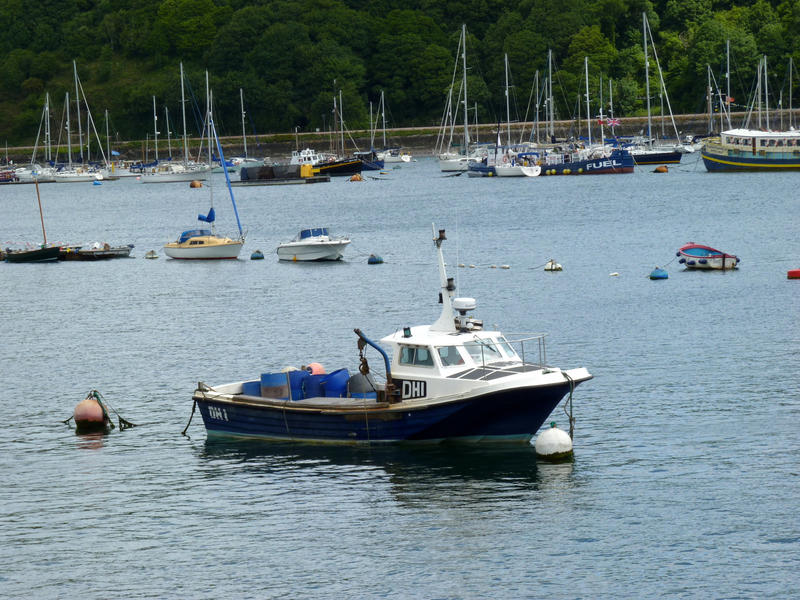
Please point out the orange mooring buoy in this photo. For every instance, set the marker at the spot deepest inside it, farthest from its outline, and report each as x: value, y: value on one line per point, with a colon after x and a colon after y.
x: 196, y: 183
x: 90, y: 415
x: 661, y: 169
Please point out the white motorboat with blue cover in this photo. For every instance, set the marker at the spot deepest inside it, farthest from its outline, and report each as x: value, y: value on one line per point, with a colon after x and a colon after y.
x: 452, y: 380
x: 314, y: 243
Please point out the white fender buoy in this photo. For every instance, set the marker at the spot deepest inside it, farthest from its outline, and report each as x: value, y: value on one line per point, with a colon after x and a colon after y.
x: 505, y: 266
x: 614, y: 274
x: 552, y: 265
x: 554, y: 444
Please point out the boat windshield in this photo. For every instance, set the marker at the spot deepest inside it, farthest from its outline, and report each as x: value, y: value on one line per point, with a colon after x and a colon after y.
x: 450, y: 355
x: 483, y: 350
x: 508, y: 348
x: 316, y: 231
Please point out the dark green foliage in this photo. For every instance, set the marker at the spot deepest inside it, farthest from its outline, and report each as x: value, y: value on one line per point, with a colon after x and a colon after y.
x: 291, y: 59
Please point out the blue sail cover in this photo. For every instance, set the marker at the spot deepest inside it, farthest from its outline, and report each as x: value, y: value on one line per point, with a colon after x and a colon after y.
x: 209, y: 218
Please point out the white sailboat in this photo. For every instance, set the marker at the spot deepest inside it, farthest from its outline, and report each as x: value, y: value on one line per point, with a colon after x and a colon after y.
x: 450, y: 161
x: 172, y: 172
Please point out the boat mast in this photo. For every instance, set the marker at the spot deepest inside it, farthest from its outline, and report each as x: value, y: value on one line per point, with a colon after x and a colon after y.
x: 647, y: 79
x: 155, y: 126
x: 602, y: 133
x: 41, y: 216
x: 78, y: 107
x: 611, y: 106
x: 183, y: 112
x: 69, y: 143
x: 728, y: 81
x: 758, y: 92
x: 710, y: 99
x: 588, y: 115
x: 536, y: 96
x: 169, y: 136
x: 108, y: 139
x: 341, y: 122
x: 47, y: 137
x: 466, y: 106
x: 766, y: 94
x: 244, y: 131
x: 508, y: 106
x: 383, y: 117
x: 790, y: 92
x: 446, y: 320
x: 550, y: 95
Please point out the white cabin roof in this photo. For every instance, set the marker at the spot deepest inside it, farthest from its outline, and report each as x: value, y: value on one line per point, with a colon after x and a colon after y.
x: 762, y: 134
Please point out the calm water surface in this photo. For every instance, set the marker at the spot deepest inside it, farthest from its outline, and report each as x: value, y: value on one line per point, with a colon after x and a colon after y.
x: 686, y: 476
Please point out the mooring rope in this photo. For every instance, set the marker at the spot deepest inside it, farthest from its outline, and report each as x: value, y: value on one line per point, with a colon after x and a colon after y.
x: 569, y: 402
x: 194, y: 404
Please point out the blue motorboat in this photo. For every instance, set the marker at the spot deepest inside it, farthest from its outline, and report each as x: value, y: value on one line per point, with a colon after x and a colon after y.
x: 452, y: 380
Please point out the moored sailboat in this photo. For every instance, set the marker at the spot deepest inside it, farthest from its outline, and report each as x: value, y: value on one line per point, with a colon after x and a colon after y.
x: 205, y: 244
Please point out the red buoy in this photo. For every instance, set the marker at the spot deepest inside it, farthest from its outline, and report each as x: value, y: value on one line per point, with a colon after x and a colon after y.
x: 90, y: 415
x: 793, y: 274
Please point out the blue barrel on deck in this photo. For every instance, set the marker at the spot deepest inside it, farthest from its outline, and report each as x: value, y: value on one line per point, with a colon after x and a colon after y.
x: 274, y: 385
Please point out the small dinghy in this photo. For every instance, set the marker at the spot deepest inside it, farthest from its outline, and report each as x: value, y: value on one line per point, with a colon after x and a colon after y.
x: 698, y: 256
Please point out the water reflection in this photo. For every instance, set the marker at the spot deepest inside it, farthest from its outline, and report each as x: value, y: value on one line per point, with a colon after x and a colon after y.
x: 442, y: 462
x: 91, y: 441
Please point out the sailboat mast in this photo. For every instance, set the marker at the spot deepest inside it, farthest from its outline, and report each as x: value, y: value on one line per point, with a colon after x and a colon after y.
x: 244, y: 131
x: 169, y: 132
x: 41, y: 216
x: 790, y: 92
x: 728, y: 81
x: 766, y: 94
x: 588, y: 115
x: 464, y: 68
x: 508, y: 106
x: 183, y: 113
x: 647, y: 78
x: 758, y: 92
x: 611, y: 106
x: 155, y: 126
x: 536, y: 98
x: 78, y: 107
x: 552, y: 131
x: 108, y: 139
x: 48, y: 139
x: 341, y: 121
x: 602, y: 133
x: 69, y: 142
x: 383, y: 117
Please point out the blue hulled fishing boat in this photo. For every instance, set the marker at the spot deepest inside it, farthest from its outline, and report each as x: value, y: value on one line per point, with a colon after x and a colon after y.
x: 452, y: 380
x: 752, y: 150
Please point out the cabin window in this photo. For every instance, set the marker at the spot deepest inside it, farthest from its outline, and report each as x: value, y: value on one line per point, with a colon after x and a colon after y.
x: 450, y: 355
x: 419, y: 356
x: 779, y: 143
x: 483, y: 350
x: 763, y: 142
x: 507, y: 348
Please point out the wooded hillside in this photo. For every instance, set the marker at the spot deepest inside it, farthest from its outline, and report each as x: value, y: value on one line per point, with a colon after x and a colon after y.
x: 291, y: 57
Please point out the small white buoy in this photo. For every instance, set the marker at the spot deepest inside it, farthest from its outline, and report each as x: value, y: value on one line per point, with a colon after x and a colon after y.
x: 505, y: 266
x: 552, y: 265
x: 614, y: 274
x: 461, y: 265
x: 554, y: 444
x: 472, y: 266
x: 492, y: 266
